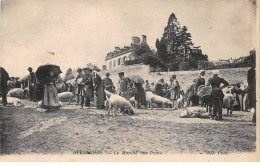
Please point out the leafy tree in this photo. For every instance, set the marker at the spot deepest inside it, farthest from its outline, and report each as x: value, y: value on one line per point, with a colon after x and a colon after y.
x: 176, y: 45
x: 162, y: 50
x: 140, y: 50
x: 93, y: 66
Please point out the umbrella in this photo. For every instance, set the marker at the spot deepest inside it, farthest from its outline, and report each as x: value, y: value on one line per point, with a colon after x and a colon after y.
x: 43, y: 71
x: 136, y: 79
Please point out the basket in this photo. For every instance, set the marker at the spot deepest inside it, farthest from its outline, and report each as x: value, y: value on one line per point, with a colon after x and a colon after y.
x: 204, y: 91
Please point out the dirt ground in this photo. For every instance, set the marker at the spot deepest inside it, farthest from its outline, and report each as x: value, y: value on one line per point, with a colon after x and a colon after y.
x: 91, y: 131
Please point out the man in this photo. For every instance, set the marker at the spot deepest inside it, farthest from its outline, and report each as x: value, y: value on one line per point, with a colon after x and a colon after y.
x: 17, y: 83
x: 32, y: 84
x: 251, y: 80
x: 217, y: 94
x: 193, y: 98
x: 4, y: 77
x: 200, y: 80
x: 164, y: 87
x: 123, y: 85
x: 147, y: 86
x: 108, y: 84
x: 87, y: 89
x: 78, y: 81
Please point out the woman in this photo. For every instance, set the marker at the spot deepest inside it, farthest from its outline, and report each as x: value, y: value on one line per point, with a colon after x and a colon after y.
x: 175, y: 90
x: 50, y: 99
x: 140, y: 96
x: 158, y: 88
x: 99, y: 90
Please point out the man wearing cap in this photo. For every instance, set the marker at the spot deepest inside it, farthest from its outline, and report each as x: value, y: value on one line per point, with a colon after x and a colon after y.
x: 123, y: 85
x: 32, y: 84
x: 108, y: 83
x: 79, y: 85
x: 87, y: 89
x: 217, y: 94
x: 200, y: 80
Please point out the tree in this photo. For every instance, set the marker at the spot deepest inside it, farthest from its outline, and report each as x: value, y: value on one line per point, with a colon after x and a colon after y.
x: 161, y: 50
x: 93, y: 66
x: 140, y: 50
x: 176, y: 45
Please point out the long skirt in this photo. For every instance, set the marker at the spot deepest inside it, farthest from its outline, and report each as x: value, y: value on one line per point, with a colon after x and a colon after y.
x: 50, y: 99
x: 140, y: 96
x: 100, y: 96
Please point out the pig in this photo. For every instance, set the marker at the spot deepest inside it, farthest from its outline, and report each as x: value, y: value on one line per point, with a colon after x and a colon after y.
x: 14, y: 101
x: 16, y: 92
x: 228, y: 102
x: 152, y: 98
x: 116, y: 101
x: 133, y: 101
x: 66, y: 96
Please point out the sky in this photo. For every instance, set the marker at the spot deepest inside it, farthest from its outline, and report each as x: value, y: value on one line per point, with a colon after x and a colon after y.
x: 84, y: 31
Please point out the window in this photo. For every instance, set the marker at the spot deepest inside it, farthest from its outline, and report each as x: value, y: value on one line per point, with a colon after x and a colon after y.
x: 114, y: 63
x: 119, y: 61
x: 110, y: 64
x: 124, y: 59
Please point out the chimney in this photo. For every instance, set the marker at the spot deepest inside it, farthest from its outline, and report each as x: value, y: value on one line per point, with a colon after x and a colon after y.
x: 143, y: 38
x: 135, y: 40
x: 117, y: 49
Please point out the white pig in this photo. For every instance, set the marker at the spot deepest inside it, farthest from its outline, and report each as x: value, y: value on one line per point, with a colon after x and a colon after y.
x: 16, y: 92
x: 152, y: 98
x: 116, y: 101
x: 66, y: 96
x: 14, y: 101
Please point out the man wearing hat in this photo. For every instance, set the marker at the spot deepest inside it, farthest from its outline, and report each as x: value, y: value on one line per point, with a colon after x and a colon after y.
x: 123, y: 85
x: 108, y: 83
x: 200, y: 80
x: 78, y: 81
x: 32, y: 84
x: 87, y: 89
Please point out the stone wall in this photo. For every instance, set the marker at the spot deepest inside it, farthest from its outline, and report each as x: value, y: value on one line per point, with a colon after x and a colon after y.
x: 185, y: 78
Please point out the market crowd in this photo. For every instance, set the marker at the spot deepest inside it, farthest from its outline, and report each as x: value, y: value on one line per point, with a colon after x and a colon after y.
x: 89, y: 86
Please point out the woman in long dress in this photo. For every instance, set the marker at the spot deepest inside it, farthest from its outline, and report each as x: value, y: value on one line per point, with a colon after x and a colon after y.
x: 99, y: 90
x: 175, y: 91
x: 140, y: 96
x: 50, y: 99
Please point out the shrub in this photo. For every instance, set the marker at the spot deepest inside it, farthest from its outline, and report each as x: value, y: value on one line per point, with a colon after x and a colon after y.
x: 184, y: 66
x: 154, y: 62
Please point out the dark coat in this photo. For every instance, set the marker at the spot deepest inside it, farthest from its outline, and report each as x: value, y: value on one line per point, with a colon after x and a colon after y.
x: 200, y: 81
x: 251, y: 79
x: 87, y: 82
x: 215, y: 82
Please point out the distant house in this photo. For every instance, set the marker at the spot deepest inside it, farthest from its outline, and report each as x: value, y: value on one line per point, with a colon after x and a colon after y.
x: 119, y: 56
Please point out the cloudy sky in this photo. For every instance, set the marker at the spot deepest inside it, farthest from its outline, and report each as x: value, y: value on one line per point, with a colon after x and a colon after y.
x: 83, y: 31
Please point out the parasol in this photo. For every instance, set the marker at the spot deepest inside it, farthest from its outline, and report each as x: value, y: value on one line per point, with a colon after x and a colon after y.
x: 136, y: 79
x: 43, y: 71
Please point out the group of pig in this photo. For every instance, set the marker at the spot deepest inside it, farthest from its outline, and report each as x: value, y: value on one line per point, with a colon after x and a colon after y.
x: 115, y: 102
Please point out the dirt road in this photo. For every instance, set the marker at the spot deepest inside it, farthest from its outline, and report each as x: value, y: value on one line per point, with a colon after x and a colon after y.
x: 91, y: 131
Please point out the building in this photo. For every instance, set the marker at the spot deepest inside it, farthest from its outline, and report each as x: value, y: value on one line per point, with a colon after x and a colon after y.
x: 119, y: 56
